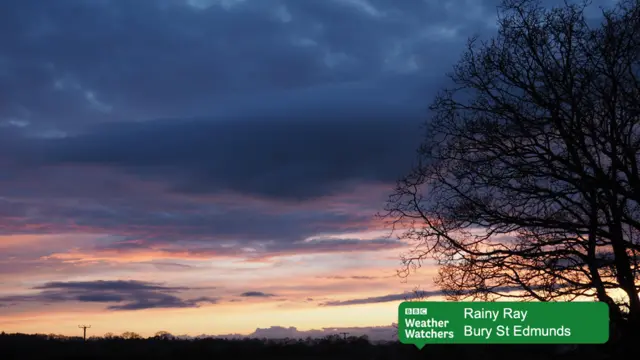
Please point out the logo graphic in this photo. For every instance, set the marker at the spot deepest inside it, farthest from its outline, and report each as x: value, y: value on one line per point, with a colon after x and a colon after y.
x: 415, y: 311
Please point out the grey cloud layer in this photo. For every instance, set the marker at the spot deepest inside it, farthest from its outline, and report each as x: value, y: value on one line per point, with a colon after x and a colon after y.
x: 295, y: 160
x: 125, y: 295
x: 276, y: 98
x: 255, y: 294
x: 76, y: 61
x: 139, y: 118
x: 409, y: 296
x: 142, y: 119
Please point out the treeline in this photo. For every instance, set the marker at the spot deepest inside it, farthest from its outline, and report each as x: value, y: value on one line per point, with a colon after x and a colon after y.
x: 22, y: 346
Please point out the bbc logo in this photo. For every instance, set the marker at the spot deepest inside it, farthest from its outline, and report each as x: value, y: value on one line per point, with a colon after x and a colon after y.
x: 415, y: 311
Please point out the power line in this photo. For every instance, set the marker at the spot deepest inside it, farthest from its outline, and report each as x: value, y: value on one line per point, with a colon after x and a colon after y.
x: 84, y: 329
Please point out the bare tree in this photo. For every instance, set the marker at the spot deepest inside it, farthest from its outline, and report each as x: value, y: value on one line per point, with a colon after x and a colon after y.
x: 130, y: 335
x: 163, y: 335
x: 527, y: 183
x: 417, y: 295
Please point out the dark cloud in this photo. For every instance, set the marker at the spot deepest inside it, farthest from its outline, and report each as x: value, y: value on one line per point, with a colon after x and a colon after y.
x: 127, y: 295
x: 378, y: 299
x: 154, y: 112
x: 78, y: 61
x: 409, y: 296
x: 141, y: 217
x: 325, y: 106
x: 258, y: 251
x: 100, y: 285
x: 255, y: 294
x: 144, y: 221
x: 318, y: 145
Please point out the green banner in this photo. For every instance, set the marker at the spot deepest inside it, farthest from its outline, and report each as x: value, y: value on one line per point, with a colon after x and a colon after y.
x: 427, y: 322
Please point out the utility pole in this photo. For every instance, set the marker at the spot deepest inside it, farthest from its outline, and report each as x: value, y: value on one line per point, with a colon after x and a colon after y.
x: 84, y: 329
x: 344, y: 334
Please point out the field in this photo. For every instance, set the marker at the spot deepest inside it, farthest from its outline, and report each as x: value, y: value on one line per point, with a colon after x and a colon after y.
x: 20, y: 346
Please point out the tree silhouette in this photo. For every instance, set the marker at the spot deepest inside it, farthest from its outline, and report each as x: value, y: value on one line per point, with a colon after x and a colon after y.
x: 130, y: 335
x: 23, y: 346
x: 163, y: 335
x: 527, y: 182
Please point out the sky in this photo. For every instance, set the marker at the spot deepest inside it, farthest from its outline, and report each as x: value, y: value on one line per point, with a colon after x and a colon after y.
x: 213, y: 166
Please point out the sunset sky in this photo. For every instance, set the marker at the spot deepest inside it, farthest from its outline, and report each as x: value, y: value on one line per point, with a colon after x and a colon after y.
x: 212, y: 166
